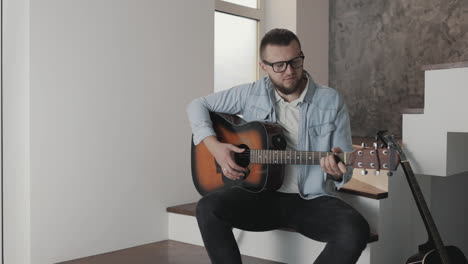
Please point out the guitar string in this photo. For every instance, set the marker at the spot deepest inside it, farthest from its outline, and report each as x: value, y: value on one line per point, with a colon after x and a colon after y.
x: 292, y: 153
x: 286, y: 156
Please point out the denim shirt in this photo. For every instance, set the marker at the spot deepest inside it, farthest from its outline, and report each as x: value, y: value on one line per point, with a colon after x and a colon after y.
x: 324, y: 124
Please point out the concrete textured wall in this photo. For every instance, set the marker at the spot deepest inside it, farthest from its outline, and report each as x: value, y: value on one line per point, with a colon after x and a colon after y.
x: 377, y: 49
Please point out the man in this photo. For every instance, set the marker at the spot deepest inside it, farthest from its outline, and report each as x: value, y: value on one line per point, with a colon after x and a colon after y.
x: 314, y: 117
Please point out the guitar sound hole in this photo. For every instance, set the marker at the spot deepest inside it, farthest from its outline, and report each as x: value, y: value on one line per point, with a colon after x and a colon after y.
x: 243, y: 159
x: 279, y: 142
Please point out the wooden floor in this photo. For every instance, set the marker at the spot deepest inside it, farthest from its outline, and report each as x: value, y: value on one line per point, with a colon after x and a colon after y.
x: 163, y: 252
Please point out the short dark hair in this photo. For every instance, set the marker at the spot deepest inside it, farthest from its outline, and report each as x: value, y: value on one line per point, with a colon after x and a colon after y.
x: 277, y: 36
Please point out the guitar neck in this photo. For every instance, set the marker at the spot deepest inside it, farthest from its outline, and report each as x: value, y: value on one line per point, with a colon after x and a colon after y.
x: 426, y: 216
x: 292, y: 157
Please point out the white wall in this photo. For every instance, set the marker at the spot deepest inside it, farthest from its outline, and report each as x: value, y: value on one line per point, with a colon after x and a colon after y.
x: 280, y: 14
x: 16, y: 131
x: 104, y: 110
x: 312, y: 30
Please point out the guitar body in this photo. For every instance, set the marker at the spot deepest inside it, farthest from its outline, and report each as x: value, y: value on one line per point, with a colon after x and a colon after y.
x: 455, y: 255
x: 207, y: 174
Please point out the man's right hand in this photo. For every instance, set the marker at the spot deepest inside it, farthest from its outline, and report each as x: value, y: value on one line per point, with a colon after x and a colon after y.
x: 224, y: 155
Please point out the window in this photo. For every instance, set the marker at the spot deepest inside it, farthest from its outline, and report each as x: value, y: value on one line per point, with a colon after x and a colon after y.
x: 237, y: 27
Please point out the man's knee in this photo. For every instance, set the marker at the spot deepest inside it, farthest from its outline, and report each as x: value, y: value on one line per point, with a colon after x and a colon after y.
x: 355, y: 233
x: 206, y: 208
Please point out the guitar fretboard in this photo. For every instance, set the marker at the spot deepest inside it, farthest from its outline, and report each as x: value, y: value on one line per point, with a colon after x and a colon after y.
x: 292, y: 157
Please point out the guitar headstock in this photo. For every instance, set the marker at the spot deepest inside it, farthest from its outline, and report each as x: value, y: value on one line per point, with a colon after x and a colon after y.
x: 381, y: 159
x: 390, y: 142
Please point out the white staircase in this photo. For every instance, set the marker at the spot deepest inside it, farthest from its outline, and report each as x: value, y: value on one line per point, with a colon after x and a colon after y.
x: 435, y: 141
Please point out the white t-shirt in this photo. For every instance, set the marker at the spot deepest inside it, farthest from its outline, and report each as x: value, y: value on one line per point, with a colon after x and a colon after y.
x: 287, y: 115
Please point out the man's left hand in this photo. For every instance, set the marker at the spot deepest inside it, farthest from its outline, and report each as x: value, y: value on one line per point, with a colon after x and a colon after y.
x: 333, y: 168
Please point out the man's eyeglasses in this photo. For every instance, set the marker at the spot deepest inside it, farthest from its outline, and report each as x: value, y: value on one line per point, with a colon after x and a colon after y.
x: 281, y: 66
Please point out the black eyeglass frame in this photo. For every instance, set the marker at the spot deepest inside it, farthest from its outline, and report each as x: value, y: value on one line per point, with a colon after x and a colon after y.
x: 289, y: 62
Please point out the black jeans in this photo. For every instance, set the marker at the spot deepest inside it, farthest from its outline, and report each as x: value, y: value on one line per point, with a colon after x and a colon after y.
x: 326, y: 219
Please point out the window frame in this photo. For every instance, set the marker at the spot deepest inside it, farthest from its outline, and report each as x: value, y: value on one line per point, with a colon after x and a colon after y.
x: 257, y: 14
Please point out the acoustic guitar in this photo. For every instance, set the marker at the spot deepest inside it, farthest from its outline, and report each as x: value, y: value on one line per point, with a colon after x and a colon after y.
x: 433, y: 251
x: 265, y: 156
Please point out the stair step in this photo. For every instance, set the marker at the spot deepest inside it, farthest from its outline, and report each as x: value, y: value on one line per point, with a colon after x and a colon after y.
x: 162, y: 252
x: 189, y: 209
x: 363, y: 189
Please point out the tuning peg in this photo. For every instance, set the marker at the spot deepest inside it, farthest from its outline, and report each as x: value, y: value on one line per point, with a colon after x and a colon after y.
x: 364, y: 172
x: 375, y: 145
x: 389, y: 173
x: 377, y: 172
x: 363, y: 145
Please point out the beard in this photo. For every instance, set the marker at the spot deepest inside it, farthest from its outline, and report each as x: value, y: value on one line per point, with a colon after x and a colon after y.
x: 295, y: 86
